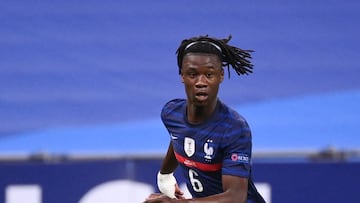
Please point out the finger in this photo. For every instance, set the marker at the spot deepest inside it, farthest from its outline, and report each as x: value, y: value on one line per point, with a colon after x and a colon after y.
x: 154, y: 196
x: 178, y: 190
x: 179, y: 196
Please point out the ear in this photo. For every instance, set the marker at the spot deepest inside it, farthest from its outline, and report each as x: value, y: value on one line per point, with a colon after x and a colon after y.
x: 182, y: 77
x: 222, y: 75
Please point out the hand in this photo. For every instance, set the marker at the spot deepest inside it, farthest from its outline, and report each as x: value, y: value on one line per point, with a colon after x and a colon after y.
x: 158, y: 198
x: 168, y: 186
x: 178, y: 193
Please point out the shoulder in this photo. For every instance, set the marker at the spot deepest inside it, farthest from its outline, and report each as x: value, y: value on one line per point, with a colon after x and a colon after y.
x: 171, y: 106
x: 236, y: 127
x: 232, y: 117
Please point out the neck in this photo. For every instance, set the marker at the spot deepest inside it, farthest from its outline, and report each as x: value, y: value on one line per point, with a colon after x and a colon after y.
x: 199, y: 114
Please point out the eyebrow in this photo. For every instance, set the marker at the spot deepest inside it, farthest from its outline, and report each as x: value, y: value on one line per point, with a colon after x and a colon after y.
x: 191, y: 68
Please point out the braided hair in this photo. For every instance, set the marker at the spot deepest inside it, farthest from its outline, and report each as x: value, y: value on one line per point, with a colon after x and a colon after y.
x: 229, y: 55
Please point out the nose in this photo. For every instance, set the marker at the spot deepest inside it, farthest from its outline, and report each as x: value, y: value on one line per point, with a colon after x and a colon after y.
x: 201, y: 81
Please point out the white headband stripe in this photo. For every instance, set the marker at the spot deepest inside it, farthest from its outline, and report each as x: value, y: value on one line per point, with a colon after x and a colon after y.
x: 204, y: 42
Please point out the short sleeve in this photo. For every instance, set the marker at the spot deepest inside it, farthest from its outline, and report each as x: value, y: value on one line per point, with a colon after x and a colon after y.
x: 237, y: 146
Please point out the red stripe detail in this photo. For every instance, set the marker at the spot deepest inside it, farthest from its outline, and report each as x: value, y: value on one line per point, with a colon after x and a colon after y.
x: 198, y: 165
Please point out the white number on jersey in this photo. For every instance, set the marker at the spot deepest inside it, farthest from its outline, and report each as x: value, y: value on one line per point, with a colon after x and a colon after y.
x: 196, y: 184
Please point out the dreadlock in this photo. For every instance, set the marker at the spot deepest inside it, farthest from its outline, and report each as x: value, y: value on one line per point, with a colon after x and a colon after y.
x: 230, y: 55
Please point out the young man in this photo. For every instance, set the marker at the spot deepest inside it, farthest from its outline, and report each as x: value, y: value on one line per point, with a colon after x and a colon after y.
x: 210, y: 142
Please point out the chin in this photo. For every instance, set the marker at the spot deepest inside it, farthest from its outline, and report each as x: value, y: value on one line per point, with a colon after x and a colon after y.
x: 200, y: 103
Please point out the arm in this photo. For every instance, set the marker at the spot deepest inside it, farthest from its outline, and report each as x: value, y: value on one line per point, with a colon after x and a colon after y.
x: 169, y: 163
x: 165, y: 179
x: 235, y: 190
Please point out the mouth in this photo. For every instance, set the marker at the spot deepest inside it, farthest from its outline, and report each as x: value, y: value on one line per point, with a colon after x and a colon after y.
x: 201, y: 96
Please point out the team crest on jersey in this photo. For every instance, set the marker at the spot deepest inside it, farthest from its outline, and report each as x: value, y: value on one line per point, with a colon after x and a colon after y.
x: 189, y: 146
x: 208, y: 149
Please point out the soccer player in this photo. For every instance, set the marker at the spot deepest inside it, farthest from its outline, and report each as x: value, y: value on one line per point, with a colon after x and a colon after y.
x: 210, y: 142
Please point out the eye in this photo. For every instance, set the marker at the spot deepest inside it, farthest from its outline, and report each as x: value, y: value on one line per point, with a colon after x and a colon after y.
x: 192, y: 74
x: 209, y: 74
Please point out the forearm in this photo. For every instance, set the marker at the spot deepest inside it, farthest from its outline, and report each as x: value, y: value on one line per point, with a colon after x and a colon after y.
x: 169, y: 163
x: 219, y: 198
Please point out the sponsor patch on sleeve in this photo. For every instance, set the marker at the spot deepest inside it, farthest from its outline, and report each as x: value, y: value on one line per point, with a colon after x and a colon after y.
x: 241, y: 158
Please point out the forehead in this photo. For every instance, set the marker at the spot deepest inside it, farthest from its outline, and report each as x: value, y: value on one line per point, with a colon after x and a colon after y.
x: 202, y: 60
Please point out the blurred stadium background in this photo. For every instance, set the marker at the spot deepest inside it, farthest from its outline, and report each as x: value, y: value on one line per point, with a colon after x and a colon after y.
x: 82, y: 84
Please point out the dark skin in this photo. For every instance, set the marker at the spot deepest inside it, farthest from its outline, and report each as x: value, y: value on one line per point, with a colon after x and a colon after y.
x: 202, y: 75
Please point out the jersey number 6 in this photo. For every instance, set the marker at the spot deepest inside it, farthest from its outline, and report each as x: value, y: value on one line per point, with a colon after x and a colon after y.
x: 196, y: 184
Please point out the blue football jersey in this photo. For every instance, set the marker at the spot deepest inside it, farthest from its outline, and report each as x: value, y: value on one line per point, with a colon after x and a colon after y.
x: 220, y: 146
